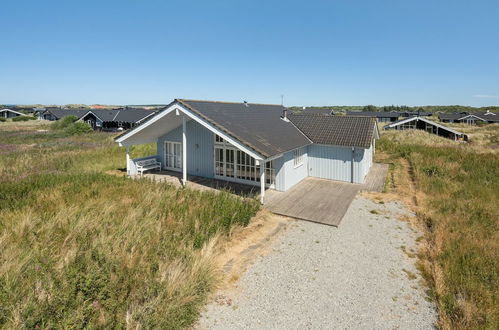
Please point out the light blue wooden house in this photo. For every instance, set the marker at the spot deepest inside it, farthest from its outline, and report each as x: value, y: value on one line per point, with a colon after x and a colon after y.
x: 255, y: 144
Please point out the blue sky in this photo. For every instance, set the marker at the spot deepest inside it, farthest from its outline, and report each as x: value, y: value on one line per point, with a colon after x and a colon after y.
x: 314, y: 52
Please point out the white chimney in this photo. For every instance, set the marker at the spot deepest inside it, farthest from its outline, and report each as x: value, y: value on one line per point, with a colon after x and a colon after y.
x: 285, y: 114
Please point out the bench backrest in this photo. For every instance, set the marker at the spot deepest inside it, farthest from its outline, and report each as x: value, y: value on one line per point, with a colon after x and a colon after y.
x: 146, y: 162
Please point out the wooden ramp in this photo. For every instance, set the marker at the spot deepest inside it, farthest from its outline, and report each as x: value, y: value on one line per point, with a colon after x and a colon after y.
x: 375, y: 179
x: 313, y: 199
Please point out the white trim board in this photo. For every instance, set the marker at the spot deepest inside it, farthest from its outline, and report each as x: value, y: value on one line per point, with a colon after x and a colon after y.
x: 14, y: 111
x: 467, y: 116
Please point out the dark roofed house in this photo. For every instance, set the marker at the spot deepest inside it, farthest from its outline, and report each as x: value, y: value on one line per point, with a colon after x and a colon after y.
x: 381, y: 116
x: 388, y: 116
x: 254, y: 144
x: 470, y: 118
x: 428, y: 126
x: 56, y: 113
x: 115, y: 119
x: 101, y: 119
x: 317, y: 111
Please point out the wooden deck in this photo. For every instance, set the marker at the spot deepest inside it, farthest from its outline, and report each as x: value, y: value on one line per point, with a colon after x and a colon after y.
x: 320, y: 200
x: 317, y: 200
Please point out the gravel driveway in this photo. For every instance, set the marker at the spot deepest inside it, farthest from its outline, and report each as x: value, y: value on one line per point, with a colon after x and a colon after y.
x: 360, y: 275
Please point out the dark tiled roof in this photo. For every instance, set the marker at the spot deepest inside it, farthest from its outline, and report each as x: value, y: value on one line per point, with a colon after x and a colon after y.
x: 313, y: 111
x: 451, y: 116
x: 376, y: 114
x: 259, y: 126
x: 486, y: 116
x: 133, y: 115
x: 60, y: 113
x: 406, y: 120
x: 122, y: 115
x: 344, y: 131
x: 415, y: 113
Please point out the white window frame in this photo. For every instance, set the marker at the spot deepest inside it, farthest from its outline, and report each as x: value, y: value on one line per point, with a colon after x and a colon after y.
x: 174, y: 157
x: 298, y: 157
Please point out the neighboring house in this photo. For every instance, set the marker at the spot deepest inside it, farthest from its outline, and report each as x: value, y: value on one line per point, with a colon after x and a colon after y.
x: 114, y: 119
x: 8, y: 113
x: 387, y: 116
x: 102, y: 119
x: 470, y: 118
x: 381, y: 116
x: 38, y: 112
x: 255, y: 144
x: 406, y: 114
x: 428, y: 126
x: 56, y: 114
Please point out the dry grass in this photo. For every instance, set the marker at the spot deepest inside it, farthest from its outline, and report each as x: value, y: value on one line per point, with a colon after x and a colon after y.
x: 83, y: 249
x: 454, y: 190
x: 247, y: 243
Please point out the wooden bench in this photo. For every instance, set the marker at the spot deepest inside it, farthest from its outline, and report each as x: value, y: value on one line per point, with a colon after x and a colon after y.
x: 147, y: 164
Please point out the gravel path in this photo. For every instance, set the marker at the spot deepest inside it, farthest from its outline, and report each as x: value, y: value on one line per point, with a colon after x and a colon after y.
x: 360, y: 275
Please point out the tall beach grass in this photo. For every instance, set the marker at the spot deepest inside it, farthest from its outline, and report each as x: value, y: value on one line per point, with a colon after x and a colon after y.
x: 83, y: 249
x: 460, y: 214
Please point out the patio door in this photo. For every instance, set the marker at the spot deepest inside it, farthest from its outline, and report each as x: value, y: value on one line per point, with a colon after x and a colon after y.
x: 173, y: 156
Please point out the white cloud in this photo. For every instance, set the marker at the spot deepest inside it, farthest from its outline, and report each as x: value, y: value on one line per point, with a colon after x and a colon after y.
x: 486, y: 96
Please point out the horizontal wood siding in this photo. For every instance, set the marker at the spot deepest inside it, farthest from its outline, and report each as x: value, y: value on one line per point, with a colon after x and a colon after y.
x: 200, y: 144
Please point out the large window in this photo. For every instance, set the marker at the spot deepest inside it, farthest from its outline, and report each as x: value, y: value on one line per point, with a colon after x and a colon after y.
x: 298, y: 157
x: 236, y: 165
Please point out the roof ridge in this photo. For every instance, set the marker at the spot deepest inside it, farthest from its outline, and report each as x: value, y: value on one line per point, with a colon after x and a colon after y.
x: 310, y: 114
x: 226, y: 102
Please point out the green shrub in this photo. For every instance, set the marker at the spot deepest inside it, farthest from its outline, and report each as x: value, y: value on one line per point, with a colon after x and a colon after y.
x: 64, y: 122
x: 78, y: 128
x: 23, y: 118
x: 2, y: 119
x: 431, y: 170
x: 70, y: 125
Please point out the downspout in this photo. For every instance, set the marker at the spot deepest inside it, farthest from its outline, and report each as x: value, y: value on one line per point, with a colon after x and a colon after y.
x: 351, y: 170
